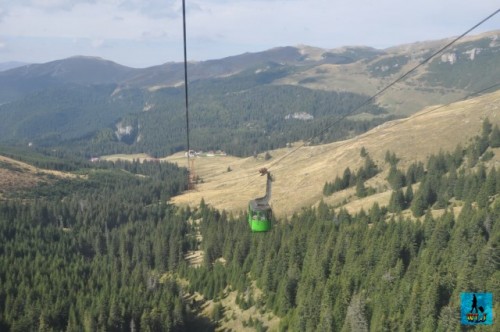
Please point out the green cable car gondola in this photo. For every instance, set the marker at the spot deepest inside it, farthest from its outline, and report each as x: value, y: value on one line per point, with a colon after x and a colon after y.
x: 259, y: 211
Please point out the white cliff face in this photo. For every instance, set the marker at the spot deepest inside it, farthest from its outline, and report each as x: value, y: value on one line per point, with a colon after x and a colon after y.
x: 452, y: 57
x: 300, y: 116
x: 122, y: 130
x: 494, y: 41
x: 449, y: 57
x: 472, y: 53
x: 147, y: 107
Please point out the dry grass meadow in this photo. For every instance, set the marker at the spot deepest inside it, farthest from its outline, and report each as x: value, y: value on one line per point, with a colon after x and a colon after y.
x: 301, y: 173
x: 15, y: 175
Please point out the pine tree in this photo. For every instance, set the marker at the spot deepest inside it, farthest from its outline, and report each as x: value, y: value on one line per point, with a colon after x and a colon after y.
x: 482, y: 197
x: 412, y: 311
x: 429, y: 307
x: 486, y: 128
x: 442, y: 199
x: 391, y: 158
x: 418, y: 205
x: 323, y: 211
x: 396, y: 178
x: 356, y: 315
x: 346, y: 178
x: 449, y: 319
x: 363, y: 152
x: 360, y: 188
x: 43, y: 325
x: 72, y: 321
x: 217, y: 312
x: 146, y: 321
x: 408, y: 196
x: 415, y: 173
x: 115, y: 319
x: 397, y: 201
x: 472, y: 156
x: 494, y: 139
x: 369, y: 169
x: 375, y: 213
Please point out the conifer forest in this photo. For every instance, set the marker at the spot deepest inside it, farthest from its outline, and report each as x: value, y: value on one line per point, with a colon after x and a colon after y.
x: 105, y: 251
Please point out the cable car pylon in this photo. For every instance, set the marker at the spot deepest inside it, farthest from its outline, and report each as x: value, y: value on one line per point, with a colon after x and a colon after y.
x: 191, y: 178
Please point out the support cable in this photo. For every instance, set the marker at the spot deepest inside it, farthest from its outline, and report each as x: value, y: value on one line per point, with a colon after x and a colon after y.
x: 380, y: 92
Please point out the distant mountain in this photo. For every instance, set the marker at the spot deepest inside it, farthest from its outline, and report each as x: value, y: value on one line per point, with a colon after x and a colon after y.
x: 11, y: 64
x: 82, y: 70
x: 94, y: 70
x: 104, y: 107
x: 470, y: 65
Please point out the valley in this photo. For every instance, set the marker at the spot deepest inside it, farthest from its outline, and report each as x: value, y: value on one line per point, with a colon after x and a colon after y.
x: 300, y: 174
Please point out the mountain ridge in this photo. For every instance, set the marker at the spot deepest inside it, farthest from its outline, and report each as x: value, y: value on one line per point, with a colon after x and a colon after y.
x: 90, y: 98
x: 96, y: 70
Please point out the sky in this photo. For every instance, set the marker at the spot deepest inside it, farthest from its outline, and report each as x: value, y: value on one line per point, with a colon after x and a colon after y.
x: 142, y: 33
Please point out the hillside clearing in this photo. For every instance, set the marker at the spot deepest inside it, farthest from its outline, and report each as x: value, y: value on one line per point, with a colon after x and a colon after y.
x: 17, y: 175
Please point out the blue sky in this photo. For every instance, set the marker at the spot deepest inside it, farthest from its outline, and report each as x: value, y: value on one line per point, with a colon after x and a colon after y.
x: 141, y: 33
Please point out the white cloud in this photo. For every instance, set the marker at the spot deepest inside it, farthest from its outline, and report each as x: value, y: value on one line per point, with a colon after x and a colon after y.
x: 97, y: 43
x: 82, y: 21
x: 51, y: 3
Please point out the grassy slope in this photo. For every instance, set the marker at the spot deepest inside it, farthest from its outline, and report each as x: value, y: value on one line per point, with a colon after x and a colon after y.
x: 16, y: 175
x: 405, y: 98
x: 300, y: 177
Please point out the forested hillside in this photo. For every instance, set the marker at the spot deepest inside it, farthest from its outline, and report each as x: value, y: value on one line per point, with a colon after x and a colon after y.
x: 103, y: 119
x: 325, y: 269
x: 105, y: 252
x: 338, y: 272
x: 88, y: 254
x: 264, y: 99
